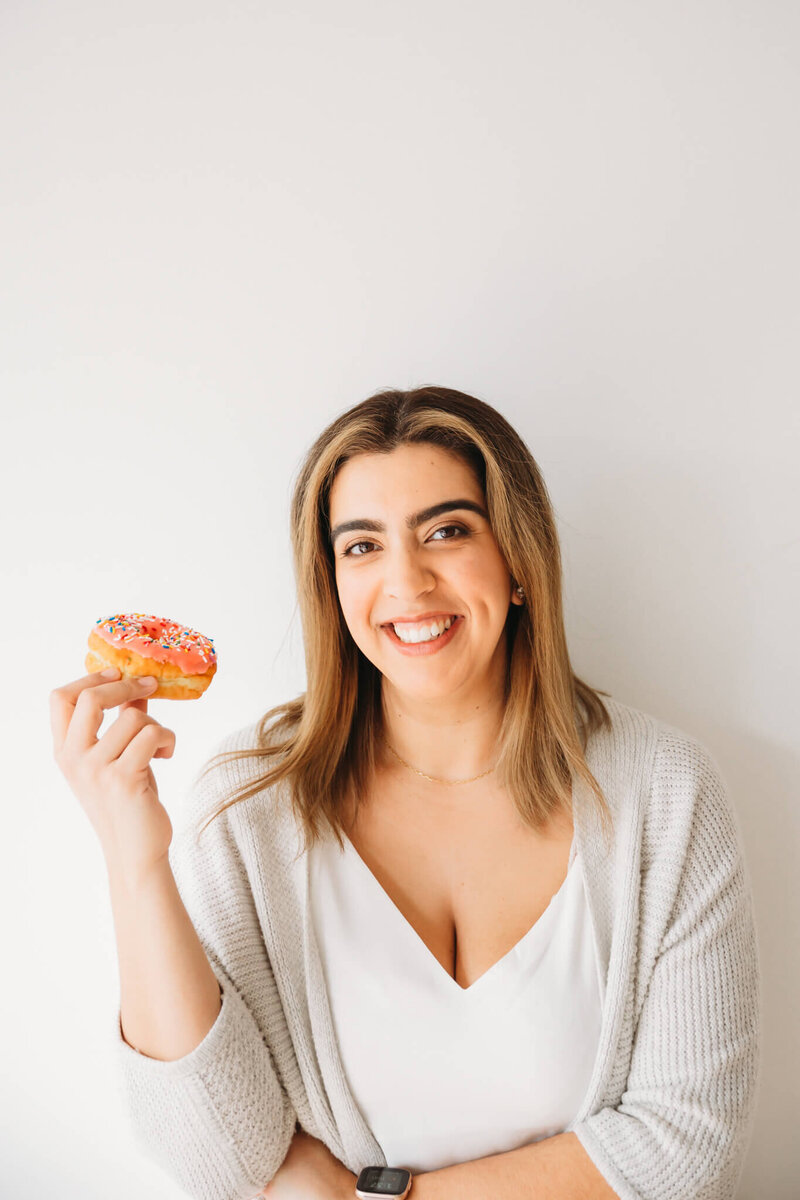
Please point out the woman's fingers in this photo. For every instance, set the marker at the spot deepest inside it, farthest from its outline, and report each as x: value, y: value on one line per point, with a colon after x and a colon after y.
x: 111, y: 776
x: 62, y: 706
x: 146, y: 745
x: 132, y: 718
x: 141, y: 706
x: 77, y: 709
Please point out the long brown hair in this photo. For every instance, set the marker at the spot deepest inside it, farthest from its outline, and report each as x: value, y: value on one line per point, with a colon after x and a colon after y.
x: 324, y: 744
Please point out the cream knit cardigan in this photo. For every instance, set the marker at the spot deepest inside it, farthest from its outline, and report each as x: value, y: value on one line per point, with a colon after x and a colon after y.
x: 669, y: 1110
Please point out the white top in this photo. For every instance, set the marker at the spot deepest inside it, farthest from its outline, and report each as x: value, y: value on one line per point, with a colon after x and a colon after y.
x: 670, y: 1109
x: 444, y: 1074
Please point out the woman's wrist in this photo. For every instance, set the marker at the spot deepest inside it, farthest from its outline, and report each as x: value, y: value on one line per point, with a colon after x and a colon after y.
x: 310, y: 1172
x: 347, y: 1185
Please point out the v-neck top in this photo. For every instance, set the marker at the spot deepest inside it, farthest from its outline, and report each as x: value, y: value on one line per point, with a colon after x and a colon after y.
x: 669, y: 1110
x: 444, y: 1074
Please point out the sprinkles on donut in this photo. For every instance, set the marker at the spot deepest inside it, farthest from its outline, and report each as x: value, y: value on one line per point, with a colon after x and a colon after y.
x: 183, y: 661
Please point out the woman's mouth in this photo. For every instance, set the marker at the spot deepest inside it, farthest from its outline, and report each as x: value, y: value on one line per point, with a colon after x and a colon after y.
x: 425, y: 637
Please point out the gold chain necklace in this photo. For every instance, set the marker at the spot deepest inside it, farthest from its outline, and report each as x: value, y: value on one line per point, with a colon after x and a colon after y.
x: 430, y: 778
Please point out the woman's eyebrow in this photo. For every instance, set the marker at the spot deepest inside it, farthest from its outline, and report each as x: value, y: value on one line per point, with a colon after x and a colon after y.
x: 416, y: 519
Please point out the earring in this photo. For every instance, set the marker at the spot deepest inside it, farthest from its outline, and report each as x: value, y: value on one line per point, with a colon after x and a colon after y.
x: 520, y: 591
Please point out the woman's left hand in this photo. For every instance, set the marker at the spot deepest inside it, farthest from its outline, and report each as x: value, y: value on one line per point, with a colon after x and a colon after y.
x: 310, y: 1172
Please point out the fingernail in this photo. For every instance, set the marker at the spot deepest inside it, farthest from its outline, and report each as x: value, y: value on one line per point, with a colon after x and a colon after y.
x: 146, y: 680
x: 109, y: 673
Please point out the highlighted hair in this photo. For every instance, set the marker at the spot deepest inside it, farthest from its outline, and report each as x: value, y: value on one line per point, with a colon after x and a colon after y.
x: 322, y: 747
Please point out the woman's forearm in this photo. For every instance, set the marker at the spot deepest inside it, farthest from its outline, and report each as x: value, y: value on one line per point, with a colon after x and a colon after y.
x: 556, y: 1168
x: 310, y: 1172
x: 169, y: 995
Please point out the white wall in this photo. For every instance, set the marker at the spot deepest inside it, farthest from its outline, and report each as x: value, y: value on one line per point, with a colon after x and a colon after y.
x: 224, y: 223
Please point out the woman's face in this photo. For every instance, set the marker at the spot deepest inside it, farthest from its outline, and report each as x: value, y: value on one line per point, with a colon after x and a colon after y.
x: 402, y: 566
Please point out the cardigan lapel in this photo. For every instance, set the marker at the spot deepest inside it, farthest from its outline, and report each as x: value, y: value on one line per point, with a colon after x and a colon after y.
x: 324, y: 1094
x: 622, y: 763
x: 359, y: 1147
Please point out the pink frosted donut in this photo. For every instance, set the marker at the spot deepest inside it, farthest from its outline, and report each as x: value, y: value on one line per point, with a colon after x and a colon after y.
x: 183, y: 661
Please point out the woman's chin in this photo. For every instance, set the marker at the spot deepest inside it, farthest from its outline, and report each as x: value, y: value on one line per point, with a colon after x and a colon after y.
x: 433, y: 688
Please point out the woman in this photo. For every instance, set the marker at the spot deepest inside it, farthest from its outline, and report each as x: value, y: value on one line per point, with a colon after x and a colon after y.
x: 449, y: 910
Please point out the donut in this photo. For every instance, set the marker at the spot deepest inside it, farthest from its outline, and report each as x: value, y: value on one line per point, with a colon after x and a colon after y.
x: 183, y: 661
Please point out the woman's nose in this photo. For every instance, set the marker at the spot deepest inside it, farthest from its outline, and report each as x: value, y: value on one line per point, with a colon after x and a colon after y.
x: 405, y: 575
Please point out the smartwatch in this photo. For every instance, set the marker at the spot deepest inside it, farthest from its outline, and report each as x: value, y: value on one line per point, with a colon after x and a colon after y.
x: 376, y: 1182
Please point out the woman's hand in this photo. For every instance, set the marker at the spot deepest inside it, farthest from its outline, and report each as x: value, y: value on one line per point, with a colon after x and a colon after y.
x: 310, y: 1172
x: 111, y: 776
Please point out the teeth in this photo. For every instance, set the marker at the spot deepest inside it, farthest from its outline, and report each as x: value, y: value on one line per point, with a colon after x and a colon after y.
x: 422, y: 633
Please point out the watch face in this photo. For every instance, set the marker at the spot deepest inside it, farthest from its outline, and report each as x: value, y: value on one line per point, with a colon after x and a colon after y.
x: 384, y: 1181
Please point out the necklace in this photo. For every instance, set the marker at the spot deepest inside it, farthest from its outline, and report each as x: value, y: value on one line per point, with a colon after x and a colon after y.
x: 430, y: 778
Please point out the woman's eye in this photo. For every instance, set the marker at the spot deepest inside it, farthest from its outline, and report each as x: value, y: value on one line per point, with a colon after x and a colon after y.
x: 458, y: 530
x: 444, y: 528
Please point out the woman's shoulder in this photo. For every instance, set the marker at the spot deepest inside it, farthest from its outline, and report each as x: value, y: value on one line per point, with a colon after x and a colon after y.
x: 246, y: 737
x: 681, y: 778
x: 632, y: 729
x: 235, y: 765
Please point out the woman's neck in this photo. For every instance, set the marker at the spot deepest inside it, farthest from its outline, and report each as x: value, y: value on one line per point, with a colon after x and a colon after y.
x: 443, y: 740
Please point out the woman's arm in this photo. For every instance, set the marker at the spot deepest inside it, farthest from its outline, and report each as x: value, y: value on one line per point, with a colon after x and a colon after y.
x: 169, y: 995
x: 217, y: 1119
x: 680, y: 1119
x: 556, y: 1168
x: 310, y: 1172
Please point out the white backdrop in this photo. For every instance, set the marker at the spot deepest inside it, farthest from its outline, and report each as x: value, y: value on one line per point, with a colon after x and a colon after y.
x: 224, y: 223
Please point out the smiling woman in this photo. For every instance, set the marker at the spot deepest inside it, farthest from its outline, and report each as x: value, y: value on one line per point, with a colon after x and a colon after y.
x: 426, y: 592
x: 476, y: 927
x: 402, y: 466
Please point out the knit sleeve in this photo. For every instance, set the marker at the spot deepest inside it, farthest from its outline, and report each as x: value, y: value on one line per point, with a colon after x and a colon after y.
x: 681, y: 1128
x: 218, y: 1120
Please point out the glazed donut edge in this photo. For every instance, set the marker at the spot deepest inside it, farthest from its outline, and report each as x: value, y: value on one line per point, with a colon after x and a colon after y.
x: 172, y: 683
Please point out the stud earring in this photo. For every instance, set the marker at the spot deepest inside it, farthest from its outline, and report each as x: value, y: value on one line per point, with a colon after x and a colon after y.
x: 520, y: 591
